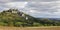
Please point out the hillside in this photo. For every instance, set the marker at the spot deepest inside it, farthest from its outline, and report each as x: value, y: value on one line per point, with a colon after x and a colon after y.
x: 13, y: 17
x: 16, y: 18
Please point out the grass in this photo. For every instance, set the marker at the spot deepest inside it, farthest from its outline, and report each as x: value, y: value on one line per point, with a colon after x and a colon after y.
x: 31, y: 28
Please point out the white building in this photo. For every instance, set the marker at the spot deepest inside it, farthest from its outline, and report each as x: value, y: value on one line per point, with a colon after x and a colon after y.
x: 14, y: 11
x: 26, y: 18
x: 23, y: 15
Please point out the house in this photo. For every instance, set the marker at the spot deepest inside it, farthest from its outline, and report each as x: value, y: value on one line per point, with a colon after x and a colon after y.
x: 23, y: 15
x: 26, y: 18
x: 14, y: 11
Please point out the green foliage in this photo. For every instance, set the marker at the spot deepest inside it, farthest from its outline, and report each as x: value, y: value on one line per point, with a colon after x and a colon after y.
x: 7, y: 18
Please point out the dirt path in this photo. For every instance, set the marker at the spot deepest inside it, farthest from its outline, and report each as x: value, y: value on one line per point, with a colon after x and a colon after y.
x: 29, y: 28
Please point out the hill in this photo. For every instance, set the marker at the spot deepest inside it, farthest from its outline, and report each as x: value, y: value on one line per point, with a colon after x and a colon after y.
x: 14, y: 17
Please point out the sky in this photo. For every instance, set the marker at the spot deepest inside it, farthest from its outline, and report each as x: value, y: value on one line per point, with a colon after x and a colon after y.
x: 35, y: 8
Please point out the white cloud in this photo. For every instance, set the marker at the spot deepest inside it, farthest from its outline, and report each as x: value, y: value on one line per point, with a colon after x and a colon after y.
x: 16, y: 4
x: 4, y: 0
x: 27, y: 0
x: 37, y: 8
x: 34, y: 11
x: 45, y: 9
